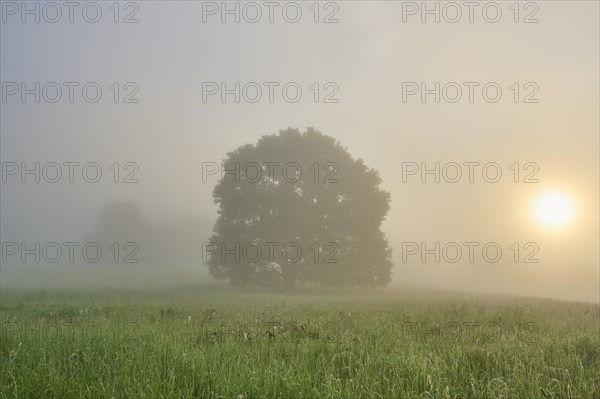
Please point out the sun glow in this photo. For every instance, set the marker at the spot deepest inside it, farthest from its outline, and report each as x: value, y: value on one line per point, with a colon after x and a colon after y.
x: 554, y: 210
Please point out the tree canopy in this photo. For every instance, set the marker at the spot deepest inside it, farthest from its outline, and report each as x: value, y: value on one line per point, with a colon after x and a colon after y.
x: 297, y: 208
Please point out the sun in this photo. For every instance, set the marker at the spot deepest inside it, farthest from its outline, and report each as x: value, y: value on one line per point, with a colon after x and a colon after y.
x: 554, y: 210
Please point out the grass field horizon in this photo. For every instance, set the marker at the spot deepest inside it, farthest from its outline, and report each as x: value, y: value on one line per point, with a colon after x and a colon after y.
x: 208, y: 341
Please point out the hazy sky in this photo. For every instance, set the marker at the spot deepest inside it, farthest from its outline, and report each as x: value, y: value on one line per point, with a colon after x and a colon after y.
x: 367, y: 55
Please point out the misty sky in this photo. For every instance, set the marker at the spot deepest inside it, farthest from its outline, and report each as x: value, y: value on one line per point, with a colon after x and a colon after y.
x: 368, y: 55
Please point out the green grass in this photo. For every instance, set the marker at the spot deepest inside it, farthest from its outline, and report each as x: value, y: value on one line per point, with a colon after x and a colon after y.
x: 65, y: 344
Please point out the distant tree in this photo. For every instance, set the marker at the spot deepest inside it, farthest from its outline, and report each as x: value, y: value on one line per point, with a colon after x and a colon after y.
x: 170, y: 244
x: 121, y: 227
x: 304, y: 190
x: 119, y: 220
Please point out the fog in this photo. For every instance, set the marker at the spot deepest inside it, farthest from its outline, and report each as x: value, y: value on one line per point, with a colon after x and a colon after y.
x: 151, y: 144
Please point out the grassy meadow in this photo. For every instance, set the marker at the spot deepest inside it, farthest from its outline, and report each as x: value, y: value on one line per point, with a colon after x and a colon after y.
x: 207, y: 343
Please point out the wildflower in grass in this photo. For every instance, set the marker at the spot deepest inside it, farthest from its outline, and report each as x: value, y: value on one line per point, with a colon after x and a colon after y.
x: 13, y: 353
x: 211, y: 312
